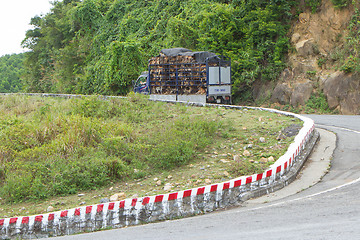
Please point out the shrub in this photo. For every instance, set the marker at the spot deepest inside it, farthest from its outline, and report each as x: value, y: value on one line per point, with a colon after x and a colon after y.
x: 171, y: 154
x: 317, y: 102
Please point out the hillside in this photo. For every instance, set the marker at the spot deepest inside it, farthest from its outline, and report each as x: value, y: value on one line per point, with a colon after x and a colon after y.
x: 98, y: 46
x: 296, y: 55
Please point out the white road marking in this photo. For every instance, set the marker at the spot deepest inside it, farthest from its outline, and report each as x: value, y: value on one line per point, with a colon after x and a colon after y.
x: 305, y: 197
x: 341, y: 128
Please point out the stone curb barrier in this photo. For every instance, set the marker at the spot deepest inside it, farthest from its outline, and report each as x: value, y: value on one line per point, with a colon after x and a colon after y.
x: 172, y: 205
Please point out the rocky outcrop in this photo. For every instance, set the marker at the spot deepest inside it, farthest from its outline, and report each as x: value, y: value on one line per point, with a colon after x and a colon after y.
x: 281, y: 94
x: 343, y: 92
x: 262, y: 91
x: 315, y: 36
x: 306, y: 47
x: 296, y: 95
x: 301, y: 93
x: 324, y: 27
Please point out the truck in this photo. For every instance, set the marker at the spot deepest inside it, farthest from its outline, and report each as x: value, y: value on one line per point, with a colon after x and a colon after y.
x: 179, y: 74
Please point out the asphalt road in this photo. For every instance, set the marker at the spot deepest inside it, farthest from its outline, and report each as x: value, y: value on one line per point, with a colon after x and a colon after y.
x: 328, y: 210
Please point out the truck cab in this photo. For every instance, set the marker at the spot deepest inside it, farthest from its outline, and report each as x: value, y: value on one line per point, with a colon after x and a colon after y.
x: 140, y: 85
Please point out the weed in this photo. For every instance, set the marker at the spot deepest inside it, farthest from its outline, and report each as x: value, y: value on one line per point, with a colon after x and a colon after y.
x: 321, y: 61
x: 338, y: 37
x: 311, y: 74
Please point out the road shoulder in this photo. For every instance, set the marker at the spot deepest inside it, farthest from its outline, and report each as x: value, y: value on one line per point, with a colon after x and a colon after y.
x: 316, y: 166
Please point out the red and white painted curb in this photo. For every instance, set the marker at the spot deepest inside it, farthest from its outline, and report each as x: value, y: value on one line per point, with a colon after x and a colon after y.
x: 278, y: 169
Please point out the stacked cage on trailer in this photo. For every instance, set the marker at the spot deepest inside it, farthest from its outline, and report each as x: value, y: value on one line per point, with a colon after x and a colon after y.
x: 183, y: 72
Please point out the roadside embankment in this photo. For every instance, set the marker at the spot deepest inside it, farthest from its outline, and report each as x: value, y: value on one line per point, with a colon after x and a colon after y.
x: 172, y: 205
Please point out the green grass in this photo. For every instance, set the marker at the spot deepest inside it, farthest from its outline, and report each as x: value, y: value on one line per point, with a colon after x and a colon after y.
x: 54, y: 148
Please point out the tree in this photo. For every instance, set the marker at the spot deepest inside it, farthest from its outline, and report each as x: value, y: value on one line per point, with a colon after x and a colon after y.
x: 11, y: 69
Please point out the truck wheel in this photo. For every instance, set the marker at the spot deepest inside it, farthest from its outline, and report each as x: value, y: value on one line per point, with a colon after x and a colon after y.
x: 223, y: 101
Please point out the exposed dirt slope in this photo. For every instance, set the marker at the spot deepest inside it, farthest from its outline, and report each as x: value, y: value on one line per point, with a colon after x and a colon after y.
x: 316, y: 39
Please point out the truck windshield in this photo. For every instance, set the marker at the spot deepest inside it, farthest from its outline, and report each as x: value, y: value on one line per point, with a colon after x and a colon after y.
x: 140, y: 81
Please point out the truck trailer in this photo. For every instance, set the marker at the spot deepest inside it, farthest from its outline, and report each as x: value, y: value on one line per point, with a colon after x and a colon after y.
x: 179, y: 74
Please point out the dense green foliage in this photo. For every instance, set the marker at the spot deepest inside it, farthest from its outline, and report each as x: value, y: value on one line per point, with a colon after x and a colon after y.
x: 11, y: 69
x: 99, y: 46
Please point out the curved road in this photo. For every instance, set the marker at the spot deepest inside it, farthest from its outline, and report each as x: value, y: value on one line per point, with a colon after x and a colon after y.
x: 328, y: 210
